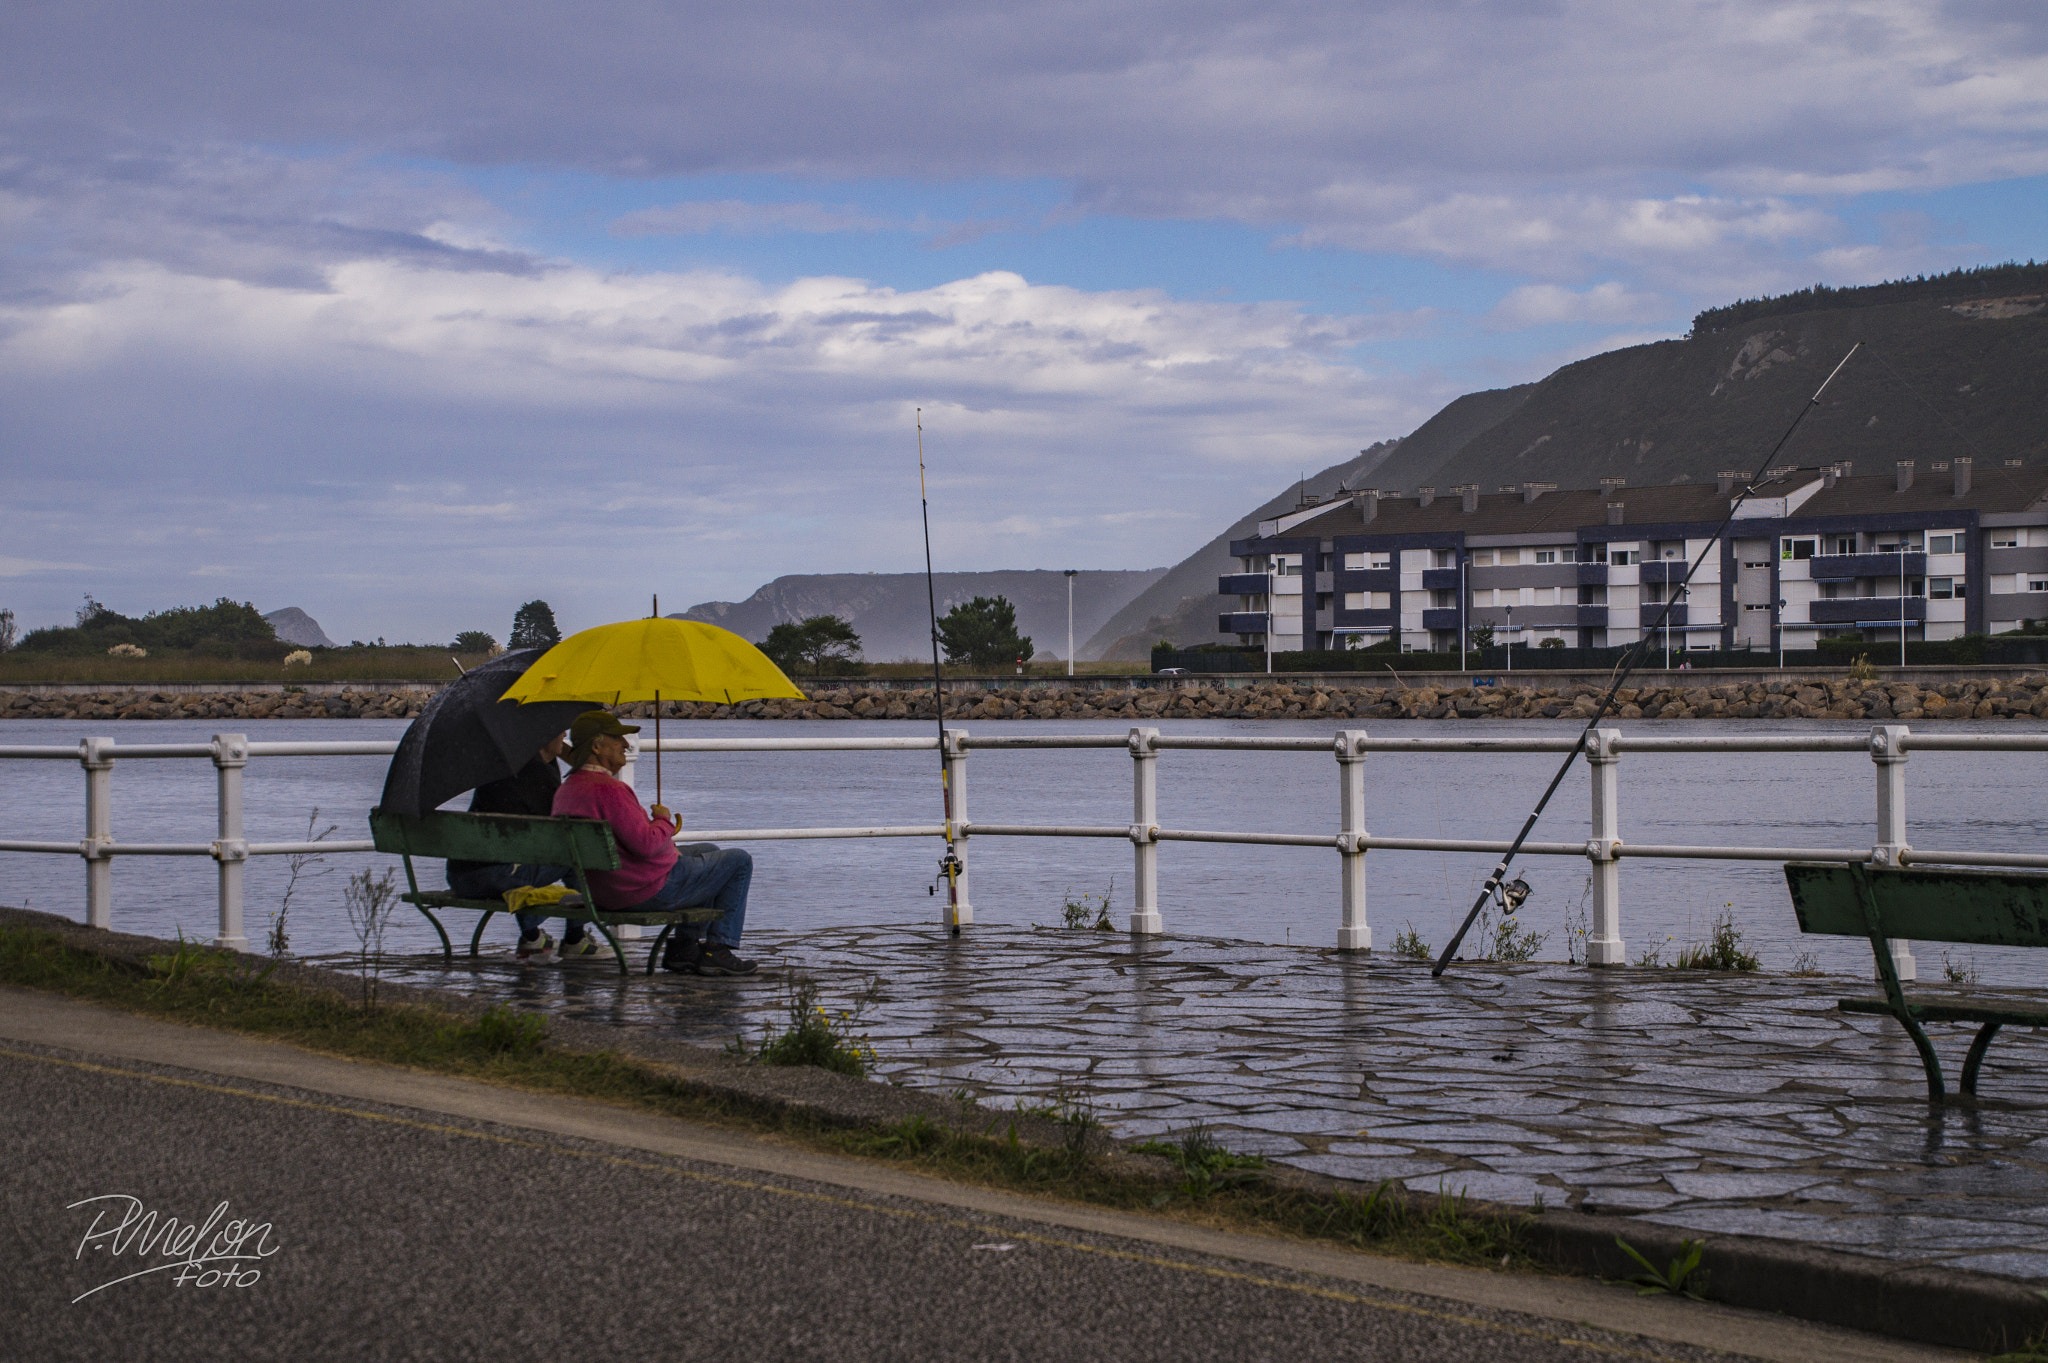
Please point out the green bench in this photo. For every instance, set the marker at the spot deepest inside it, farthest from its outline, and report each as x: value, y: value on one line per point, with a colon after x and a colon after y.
x: 1980, y: 908
x: 517, y: 839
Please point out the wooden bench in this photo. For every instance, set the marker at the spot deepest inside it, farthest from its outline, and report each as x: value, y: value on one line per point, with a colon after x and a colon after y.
x: 1981, y: 908
x: 583, y: 845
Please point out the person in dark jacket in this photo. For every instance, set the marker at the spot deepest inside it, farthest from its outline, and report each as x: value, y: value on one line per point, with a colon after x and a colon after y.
x: 530, y: 790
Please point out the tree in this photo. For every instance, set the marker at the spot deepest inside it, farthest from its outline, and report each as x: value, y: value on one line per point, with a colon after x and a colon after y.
x: 983, y: 633
x: 474, y: 641
x: 1482, y: 634
x: 8, y: 633
x: 533, y: 626
x: 816, y: 646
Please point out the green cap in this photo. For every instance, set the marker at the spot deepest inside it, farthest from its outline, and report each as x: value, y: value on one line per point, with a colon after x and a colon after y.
x: 591, y: 723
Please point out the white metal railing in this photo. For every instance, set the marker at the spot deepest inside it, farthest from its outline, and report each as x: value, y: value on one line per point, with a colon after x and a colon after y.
x: 1888, y: 746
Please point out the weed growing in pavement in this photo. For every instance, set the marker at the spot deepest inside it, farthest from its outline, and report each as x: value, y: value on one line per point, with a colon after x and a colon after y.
x: 1685, y: 1277
x: 1408, y: 943
x: 1578, y: 927
x: 369, y: 899
x: 1206, y: 1166
x: 1090, y: 910
x: 299, y: 866
x: 1653, y: 957
x: 1958, y: 972
x: 1863, y: 669
x: 1069, y: 1108
x: 816, y: 1037
x: 1723, y: 952
x: 1807, y: 963
x: 1503, y: 939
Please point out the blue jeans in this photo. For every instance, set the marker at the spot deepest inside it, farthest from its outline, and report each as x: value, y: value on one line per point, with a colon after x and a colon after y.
x: 718, y: 877
x: 490, y: 882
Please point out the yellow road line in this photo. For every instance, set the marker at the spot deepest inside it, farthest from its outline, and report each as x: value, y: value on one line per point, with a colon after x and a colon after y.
x: 979, y: 1228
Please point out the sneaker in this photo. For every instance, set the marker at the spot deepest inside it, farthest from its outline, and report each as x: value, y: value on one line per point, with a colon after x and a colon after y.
x: 719, y: 960
x: 538, y: 950
x: 682, y: 954
x: 589, y: 947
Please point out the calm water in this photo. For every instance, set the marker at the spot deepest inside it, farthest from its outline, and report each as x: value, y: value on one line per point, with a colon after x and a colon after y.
x: 1987, y: 802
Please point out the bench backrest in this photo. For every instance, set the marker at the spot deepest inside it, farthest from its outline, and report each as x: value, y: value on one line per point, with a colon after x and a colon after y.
x: 497, y: 838
x: 1982, y: 908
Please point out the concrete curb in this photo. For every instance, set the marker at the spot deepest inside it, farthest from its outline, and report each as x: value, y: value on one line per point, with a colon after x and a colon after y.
x: 1927, y: 1305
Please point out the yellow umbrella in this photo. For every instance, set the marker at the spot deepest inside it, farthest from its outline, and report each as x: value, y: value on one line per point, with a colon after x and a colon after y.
x: 653, y: 659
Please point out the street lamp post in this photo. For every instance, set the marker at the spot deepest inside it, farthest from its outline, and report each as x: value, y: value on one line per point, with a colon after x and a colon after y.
x: 1511, y: 638
x: 1902, y: 600
x: 1781, y: 634
x: 1464, y: 562
x: 1272, y: 613
x: 1070, y: 619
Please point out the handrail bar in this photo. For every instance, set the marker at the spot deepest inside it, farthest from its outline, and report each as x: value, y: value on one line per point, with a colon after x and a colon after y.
x: 919, y: 830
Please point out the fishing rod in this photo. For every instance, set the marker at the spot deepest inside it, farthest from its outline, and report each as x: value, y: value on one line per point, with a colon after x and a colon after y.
x: 950, y: 865
x: 1512, y: 895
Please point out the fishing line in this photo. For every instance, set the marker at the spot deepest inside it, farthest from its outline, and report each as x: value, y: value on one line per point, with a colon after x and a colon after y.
x: 1631, y: 660
x: 949, y: 865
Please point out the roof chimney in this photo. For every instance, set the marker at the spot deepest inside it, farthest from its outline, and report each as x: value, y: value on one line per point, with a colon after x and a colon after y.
x: 1471, y: 492
x: 1829, y: 475
x: 1725, y: 481
x: 1424, y: 496
x: 1963, y: 465
x: 1368, y: 506
x: 1612, y: 483
x: 1531, y: 491
x: 1905, y: 474
x: 1614, y: 513
x: 2015, y: 463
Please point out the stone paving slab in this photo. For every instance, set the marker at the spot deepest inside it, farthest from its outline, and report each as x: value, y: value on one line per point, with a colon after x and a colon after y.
x: 1740, y: 1104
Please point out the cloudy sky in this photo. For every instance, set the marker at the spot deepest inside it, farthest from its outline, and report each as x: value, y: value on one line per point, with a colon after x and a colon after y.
x: 407, y: 313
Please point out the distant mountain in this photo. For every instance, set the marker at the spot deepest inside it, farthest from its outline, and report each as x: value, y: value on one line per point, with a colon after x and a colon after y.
x: 1954, y: 365
x: 890, y: 611
x: 294, y: 626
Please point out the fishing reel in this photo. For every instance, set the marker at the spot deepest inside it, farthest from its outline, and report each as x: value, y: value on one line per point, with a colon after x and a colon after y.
x: 950, y: 867
x: 1511, y: 895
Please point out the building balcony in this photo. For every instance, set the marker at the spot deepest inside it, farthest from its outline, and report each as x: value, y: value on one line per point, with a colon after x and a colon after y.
x: 1592, y: 617
x: 1856, y: 610
x: 1242, y: 584
x: 1366, y: 580
x: 1440, y: 579
x: 1652, y: 610
x: 1241, y: 622
x: 1844, y: 567
x: 1662, y: 570
x: 1389, y: 619
x: 1445, y: 618
x: 1592, y: 574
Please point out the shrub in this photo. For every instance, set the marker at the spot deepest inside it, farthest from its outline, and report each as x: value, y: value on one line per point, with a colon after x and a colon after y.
x: 127, y: 651
x: 1723, y: 952
x: 298, y: 658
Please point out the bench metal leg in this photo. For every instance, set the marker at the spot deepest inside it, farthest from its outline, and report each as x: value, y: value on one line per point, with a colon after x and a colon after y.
x: 1975, y: 1060
x: 478, y: 935
x: 1928, y: 1060
x: 447, y: 949
x: 617, y: 954
x: 654, y: 953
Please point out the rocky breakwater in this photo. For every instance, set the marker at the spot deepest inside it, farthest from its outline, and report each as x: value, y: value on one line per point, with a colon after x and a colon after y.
x: 218, y: 705
x: 1810, y: 699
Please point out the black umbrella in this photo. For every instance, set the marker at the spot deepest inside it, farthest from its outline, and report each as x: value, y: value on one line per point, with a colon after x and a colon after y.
x: 465, y: 738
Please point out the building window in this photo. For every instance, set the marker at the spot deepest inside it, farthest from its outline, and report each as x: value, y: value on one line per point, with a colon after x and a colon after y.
x: 2005, y: 539
x: 1944, y: 544
x: 1624, y: 557
x: 1323, y: 563
x: 1322, y: 601
x: 1598, y: 552
x: 1843, y: 546
x: 1756, y: 563
x: 1796, y: 548
x: 1942, y: 589
x: 1482, y: 558
x: 1763, y: 607
x: 2037, y: 584
x: 1546, y: 555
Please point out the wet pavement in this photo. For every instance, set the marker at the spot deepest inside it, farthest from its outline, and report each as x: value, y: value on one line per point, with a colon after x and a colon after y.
x: 1728, y: 1103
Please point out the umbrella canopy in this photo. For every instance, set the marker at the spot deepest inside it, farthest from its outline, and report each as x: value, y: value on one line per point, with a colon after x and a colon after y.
x: 465, y: 738
x: 653, y: 659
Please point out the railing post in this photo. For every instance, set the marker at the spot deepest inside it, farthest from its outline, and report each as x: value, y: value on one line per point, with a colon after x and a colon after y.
x: 1144, y: 823
x: 1888, y: 752
x: 1603, y: 940
x: 230, y: 847
x: 1353, y: 933
x: 96, y: 755
x: 958, y: 910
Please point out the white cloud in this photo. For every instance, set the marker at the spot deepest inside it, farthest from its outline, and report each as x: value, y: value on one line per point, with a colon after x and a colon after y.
x: 735, y: 216
x: 1535, y: 305
x: 25, y: 567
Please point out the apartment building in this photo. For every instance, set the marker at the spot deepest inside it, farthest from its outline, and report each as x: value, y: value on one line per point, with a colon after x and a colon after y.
x: 1815, y: 554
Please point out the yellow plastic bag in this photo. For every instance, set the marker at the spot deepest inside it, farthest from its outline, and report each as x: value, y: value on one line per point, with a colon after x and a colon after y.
x: 530, y: 898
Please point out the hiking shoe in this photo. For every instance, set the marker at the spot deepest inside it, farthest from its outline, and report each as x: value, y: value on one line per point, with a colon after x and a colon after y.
x: 719, y: 960
x: 538, y: 950
x: 682, y: 954
x: 589, y: 947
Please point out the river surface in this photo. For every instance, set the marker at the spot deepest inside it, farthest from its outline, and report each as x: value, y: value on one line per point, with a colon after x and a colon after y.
x: 1973, y: 801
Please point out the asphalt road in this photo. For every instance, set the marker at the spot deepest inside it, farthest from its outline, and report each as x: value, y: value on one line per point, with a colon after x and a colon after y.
x: 398, y: 1232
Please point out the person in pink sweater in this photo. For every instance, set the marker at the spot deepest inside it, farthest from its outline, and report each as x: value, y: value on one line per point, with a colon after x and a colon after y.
x: 652, y: 876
